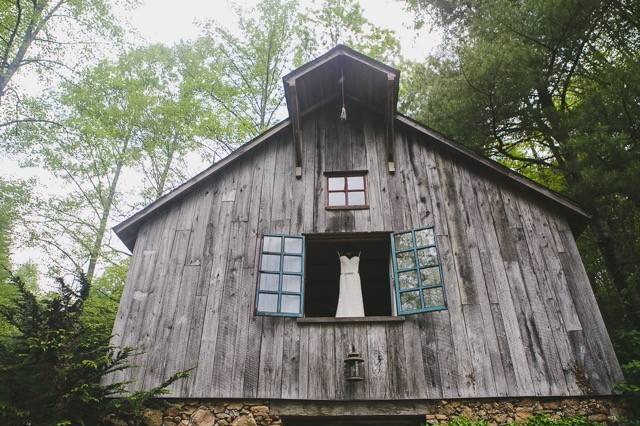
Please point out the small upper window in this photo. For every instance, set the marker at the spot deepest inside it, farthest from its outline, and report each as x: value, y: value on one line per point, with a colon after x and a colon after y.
x: 347, y: 190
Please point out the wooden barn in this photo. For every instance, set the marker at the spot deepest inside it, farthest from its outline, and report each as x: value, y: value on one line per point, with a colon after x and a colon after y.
x: 470, y: 281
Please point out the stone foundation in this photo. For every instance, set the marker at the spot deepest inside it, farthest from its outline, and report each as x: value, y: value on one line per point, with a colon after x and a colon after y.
x: 498, y: 412
x: 214, y: 413
x: 494, y: 411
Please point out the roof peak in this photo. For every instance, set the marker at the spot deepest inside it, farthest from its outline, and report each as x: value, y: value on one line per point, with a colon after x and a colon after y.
x: 337, y: 51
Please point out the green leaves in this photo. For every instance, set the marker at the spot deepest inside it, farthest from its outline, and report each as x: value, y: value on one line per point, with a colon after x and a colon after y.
x: 335, y: 22
x: 52, y: 368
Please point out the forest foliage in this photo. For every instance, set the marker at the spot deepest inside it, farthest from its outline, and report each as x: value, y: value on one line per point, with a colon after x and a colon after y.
x: 548, y: 88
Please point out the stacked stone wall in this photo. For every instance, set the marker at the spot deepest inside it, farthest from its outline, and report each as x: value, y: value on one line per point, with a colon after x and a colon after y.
x: 505, y: 411
x: 495, y: 411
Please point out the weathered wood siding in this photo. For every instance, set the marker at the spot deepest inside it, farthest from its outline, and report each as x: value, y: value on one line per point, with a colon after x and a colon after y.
x: 522, y: 319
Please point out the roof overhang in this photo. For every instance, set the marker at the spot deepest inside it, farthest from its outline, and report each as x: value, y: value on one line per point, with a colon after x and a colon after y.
x: 341, y: 74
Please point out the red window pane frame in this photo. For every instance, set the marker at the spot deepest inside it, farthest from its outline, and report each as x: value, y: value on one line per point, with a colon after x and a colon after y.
x: 348, y: 193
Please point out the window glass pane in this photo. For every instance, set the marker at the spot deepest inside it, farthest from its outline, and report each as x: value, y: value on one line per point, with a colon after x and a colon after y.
x: 290, y: 304
x: 270, y: 262
x: 269, y: 282
x: 291, y: 283
x: 355, y: 182
x: 433, y: 297
x: 404, y: 241
x: 406, y: 260
x: 427, y: 256
x: 293, y: 245
x: 272, y: 244
x: 292, y: 264
x: 430, y: 276
x: 267, y: 302
x: 407, y: 280
x: 336, y: 184
x: 356, y: 198
x: 410, y: 300
x: 337, y: 199
x: 425, y: 237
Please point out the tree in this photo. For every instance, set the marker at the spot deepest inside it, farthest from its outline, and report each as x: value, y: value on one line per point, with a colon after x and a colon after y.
x: 36, y: 35
x: 52, y: 367
x: 239, y: 75
x: 101, y: 307
x: 13, y: 196
x: 102, y: 116
x: 342, y: 22
x: 551, y: 89
x: 175, y: 121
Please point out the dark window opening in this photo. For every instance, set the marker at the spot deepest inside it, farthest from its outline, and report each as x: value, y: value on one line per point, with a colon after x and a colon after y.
x: 354, y: 421
x: 322, y: 272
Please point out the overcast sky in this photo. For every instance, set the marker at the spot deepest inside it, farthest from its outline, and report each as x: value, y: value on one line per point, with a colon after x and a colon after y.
x: 169, y: 21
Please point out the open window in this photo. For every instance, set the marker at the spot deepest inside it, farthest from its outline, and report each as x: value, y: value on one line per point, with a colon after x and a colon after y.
x: 418, y: 275
x: 280, y: 278
x: 322, y: 280
x: 300, y: 276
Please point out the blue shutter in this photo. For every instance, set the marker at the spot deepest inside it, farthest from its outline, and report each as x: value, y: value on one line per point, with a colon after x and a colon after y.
x: 417, y: 272
x: 280, y: 285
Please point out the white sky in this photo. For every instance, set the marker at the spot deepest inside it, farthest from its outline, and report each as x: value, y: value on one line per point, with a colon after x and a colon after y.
x: 169, y: 21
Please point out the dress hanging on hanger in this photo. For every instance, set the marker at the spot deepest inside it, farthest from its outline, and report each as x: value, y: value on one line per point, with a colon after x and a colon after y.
x: 350, y: 300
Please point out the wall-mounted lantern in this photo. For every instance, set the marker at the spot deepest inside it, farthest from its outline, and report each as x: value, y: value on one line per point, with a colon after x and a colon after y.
x: 353, y: 365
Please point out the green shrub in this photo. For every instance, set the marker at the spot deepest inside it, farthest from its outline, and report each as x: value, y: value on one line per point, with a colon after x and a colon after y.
x: 51, y: 368
x: 532, y: 421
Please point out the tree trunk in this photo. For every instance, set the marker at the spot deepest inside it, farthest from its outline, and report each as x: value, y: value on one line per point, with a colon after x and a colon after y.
x: 102, y: 228
x: 165, y: 170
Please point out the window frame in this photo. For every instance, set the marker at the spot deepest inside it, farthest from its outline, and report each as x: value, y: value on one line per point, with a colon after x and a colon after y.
x: 279, y: 292
x: 420, y: 288
x: 345, y: 175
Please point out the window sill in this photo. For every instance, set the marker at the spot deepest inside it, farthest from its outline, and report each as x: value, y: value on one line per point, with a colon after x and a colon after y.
x: 334, y: 320
x: 365, y: 207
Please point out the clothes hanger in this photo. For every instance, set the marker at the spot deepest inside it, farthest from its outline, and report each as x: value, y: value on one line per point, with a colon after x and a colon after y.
x: 349, y: 253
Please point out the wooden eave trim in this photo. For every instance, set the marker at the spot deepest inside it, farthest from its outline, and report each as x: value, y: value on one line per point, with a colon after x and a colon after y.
x: 389, y: 118
x: 294, y: 116
x: 496, y: 167
x: 125, y: 226
x: 335, y: 52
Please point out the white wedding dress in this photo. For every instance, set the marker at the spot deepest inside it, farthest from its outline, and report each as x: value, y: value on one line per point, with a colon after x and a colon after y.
x: 350, y: 299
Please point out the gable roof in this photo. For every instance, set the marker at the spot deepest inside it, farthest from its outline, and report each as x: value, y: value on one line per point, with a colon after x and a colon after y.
x: 128, y: 229
x: 361, y: 74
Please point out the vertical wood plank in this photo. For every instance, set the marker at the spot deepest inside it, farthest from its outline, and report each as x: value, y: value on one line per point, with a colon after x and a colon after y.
x: 377, y: 362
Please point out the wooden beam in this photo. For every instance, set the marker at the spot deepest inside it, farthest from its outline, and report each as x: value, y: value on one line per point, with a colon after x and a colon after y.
x: 295, y: 125
x: 333, y: 320
x: 318, y: 105
x: 389, y: 118
x: 351, y: 408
